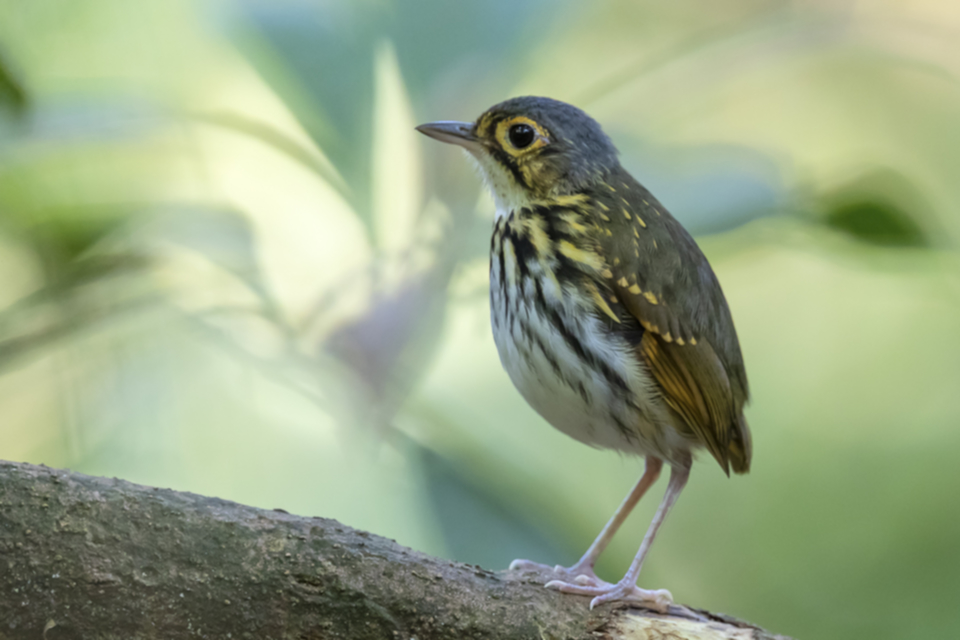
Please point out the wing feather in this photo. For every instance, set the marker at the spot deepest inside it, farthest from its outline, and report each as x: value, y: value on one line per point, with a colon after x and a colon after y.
x: 689, y: 344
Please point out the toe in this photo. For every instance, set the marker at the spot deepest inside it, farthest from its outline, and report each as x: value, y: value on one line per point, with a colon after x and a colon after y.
x: 658, y: 600
x: 581, y: 575
x: 588, y: 589
x: 529, y: 565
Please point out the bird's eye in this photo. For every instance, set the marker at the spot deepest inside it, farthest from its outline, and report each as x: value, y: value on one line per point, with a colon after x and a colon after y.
x: 521, y: 135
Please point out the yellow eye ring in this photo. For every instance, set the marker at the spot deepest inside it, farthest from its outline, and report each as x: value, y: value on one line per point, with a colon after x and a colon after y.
x: 504, y: 127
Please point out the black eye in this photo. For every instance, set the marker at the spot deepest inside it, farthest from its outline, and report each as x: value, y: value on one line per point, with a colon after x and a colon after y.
x: 521, y: 135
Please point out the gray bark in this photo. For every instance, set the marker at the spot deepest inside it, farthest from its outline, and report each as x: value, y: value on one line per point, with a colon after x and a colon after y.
x: 88, y: 557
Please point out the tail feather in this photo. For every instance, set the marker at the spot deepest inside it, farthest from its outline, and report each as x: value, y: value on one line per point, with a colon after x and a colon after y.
x: 740, y: 449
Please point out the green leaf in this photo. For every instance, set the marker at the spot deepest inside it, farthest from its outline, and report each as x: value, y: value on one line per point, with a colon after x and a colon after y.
x: 882, y: 207
x: 12, y: 91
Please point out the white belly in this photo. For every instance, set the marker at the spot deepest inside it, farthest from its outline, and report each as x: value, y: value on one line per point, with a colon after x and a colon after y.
x: 611, y: 405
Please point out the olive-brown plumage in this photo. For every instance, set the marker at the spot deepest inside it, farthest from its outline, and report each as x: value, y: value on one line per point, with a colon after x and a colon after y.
x: 607, y: 316
x: 690, y: 345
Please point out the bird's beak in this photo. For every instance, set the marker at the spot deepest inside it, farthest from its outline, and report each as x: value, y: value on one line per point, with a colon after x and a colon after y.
x: 452, y: 132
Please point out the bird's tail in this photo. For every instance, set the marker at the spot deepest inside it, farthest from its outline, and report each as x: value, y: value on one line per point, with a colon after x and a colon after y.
x: 740, y: 449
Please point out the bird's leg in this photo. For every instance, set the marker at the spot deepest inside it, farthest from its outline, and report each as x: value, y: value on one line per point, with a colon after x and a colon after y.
x: 582, y: 572
x: 627, y: 588
x: 584, y: 566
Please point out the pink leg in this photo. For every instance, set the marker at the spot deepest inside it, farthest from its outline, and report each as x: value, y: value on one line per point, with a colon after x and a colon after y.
x: 627, y: 588
x: 582, y: 571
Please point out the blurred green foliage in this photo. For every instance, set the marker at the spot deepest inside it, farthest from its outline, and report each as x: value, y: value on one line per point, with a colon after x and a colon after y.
x: 13, y: 97
x: 229, y: 265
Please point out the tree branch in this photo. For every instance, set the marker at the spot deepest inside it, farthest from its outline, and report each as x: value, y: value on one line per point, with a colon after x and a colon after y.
x: 88, y: 557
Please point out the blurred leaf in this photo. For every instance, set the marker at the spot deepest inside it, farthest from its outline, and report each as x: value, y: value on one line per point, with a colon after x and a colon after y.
x: 12, y: 91
x: 92, y: 291
x: 396, y: 173
x: 877, y: 222
x: 227, y: 239
x: 62, y: 238
x: 223, y: 236
x: 68, y: 235
x: 37, y: 341
x: 882, y: 207
x: 276, y: 139
x: 392, y: 342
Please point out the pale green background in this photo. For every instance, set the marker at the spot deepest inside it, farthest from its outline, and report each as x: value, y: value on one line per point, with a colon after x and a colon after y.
x: 229, y: 265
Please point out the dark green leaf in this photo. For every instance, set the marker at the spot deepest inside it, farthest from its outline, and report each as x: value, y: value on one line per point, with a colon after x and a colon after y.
x: 881, y: 207
x: 12, y: 92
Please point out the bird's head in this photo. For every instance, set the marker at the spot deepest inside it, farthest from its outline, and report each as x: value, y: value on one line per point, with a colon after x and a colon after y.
x: 530, y: 149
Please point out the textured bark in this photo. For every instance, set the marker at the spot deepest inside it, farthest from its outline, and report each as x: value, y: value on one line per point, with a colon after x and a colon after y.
x: 88, y: 557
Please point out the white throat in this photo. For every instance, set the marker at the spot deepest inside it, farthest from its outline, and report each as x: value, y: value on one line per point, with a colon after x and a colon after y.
x: 507, y: 195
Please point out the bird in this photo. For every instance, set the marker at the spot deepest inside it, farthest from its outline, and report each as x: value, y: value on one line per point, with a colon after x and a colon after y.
x: 606, y: 315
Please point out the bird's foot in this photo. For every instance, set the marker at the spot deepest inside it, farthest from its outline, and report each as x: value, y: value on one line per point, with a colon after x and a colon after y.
x: 624, y: 591
x: 580, y: 574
